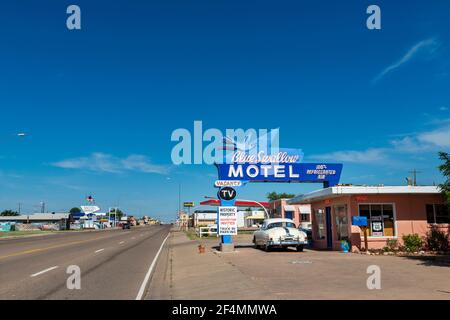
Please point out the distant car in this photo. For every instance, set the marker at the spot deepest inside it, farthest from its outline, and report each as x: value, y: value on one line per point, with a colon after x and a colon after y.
x: 281, y: 233
x: 126, y: 226
x: 212, y: 228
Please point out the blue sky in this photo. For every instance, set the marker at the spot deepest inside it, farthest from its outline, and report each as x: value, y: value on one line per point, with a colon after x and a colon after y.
x: 100, y: 104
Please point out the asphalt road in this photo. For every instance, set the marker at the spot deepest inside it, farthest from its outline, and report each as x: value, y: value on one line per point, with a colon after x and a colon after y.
x: 114, y: 264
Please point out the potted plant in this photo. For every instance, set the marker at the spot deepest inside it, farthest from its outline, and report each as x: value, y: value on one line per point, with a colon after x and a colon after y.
x: 345, y: 246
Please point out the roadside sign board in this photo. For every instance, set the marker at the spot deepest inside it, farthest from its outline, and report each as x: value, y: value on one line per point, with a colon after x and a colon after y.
x: 360, y: 221
x: 227, y: 221
x: 376, y: 228
x: 228, y: 183
x: 90, y: 209
x: 188, y: 204
x: 281, y: 172
x: 226, y: 193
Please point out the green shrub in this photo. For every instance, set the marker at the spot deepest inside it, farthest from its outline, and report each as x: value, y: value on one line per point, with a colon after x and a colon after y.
x: 391, y: 245
x: 437, y: 240
x: 412, y: 242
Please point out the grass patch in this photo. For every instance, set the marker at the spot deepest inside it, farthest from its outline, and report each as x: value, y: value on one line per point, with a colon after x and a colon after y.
x: 23, y: 233
x: 191, y: 235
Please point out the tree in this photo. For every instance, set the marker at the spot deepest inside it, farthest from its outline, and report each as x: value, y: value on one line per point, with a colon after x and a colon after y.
x: 445, y: 170
x: 272, y: 196
x: 9, y: 213
x: 75, y: 210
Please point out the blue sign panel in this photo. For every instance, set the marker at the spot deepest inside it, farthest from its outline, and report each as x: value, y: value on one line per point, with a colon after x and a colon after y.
x: 328, y: 173
x: 77, y: 215
x: 359, y: 221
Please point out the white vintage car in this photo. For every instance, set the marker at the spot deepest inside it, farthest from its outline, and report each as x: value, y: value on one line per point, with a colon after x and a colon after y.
x: 279, y: 232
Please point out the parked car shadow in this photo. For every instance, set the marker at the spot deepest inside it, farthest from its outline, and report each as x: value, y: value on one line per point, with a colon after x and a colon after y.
x: 438, y: 261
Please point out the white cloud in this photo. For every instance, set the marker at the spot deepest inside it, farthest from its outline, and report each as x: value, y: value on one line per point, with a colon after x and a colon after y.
x: 439, y: 137
x: 430, y: 45
x: 414, y: 144
x: 408, y: 145
x: 424, y: 141
x: 443, y: 108
x: 365, y: 156
x: 101, y: 162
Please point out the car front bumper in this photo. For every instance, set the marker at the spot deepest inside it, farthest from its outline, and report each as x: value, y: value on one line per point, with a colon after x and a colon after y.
x: 285, y: 243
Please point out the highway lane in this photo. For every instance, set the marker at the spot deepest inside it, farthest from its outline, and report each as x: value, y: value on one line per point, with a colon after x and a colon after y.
x: 113, y: 264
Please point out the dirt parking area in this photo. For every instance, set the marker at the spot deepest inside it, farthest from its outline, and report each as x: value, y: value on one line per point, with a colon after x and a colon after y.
x: 334, y: 275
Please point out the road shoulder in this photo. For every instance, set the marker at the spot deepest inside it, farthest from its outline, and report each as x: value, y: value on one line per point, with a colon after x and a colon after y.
x: 182, y: 273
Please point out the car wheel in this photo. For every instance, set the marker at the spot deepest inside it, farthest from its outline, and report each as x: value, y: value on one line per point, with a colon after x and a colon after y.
x: 255, y: 245
x: 267, y: 248
x: 300, y: 248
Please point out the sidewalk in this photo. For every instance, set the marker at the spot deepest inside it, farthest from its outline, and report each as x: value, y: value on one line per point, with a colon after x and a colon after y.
x: 187, y: 274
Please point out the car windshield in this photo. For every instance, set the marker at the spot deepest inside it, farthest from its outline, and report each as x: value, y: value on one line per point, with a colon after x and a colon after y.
x: 281, y: 224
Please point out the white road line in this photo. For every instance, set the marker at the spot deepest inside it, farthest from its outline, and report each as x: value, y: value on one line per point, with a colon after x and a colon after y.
x: 43, y: 271
x: 99, y: 250
x: 149, y: 272
x: 121, y: 242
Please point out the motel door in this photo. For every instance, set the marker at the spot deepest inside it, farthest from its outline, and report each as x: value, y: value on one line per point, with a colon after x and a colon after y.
x: 288, y: 215
x: 329, y: 229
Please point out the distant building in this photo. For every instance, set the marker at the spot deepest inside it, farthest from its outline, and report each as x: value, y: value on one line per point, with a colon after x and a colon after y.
x: 60, y: 219
x: 183, y: 220
x: 254, y: 218
x: 203, y: 218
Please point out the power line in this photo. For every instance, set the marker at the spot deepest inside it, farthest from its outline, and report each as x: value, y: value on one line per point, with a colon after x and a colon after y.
x: 414, y: 172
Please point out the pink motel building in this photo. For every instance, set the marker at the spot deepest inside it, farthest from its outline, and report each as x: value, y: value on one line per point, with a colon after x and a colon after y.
x: 391, y: 211
x: 300, y: 213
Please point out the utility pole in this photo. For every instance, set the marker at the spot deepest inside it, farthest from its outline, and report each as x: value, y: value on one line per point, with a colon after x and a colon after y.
x: 415, y: 172
x: 179, y: 197
x: 20, y: 205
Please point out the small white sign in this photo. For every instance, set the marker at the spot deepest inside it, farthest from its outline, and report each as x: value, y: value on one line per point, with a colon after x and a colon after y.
x: 228, y: 183
x: 227, y: 221
x: 89, y: 209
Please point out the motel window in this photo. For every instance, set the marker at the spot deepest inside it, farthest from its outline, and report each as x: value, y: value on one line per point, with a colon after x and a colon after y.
x: 340, y: 213
x: 380, y: 218
x: 437, y: 213
x: 304, y: 217
x: 320, y: 218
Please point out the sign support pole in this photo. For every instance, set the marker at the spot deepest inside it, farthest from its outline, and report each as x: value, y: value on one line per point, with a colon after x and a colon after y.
x: 226, y: 243
x: 366, y: 244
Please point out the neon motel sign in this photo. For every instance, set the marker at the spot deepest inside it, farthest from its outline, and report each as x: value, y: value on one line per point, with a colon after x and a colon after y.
x: 280, y: 167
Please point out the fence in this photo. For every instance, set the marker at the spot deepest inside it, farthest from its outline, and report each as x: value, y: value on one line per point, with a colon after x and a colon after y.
x: 201, y: 231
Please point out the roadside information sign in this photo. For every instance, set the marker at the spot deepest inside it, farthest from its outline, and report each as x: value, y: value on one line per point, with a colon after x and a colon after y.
x: 359, y: 221
x: 377, y: 228
x: 189, y: 204
x: 227, y: 221
x: 90, y: 209
x: 228, y: 183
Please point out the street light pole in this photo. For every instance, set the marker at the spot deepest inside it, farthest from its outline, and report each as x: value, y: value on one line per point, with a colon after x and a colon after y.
x: 258, y: 203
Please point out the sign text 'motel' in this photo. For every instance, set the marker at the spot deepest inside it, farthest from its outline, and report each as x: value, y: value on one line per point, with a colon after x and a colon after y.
x: 328, y: 173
